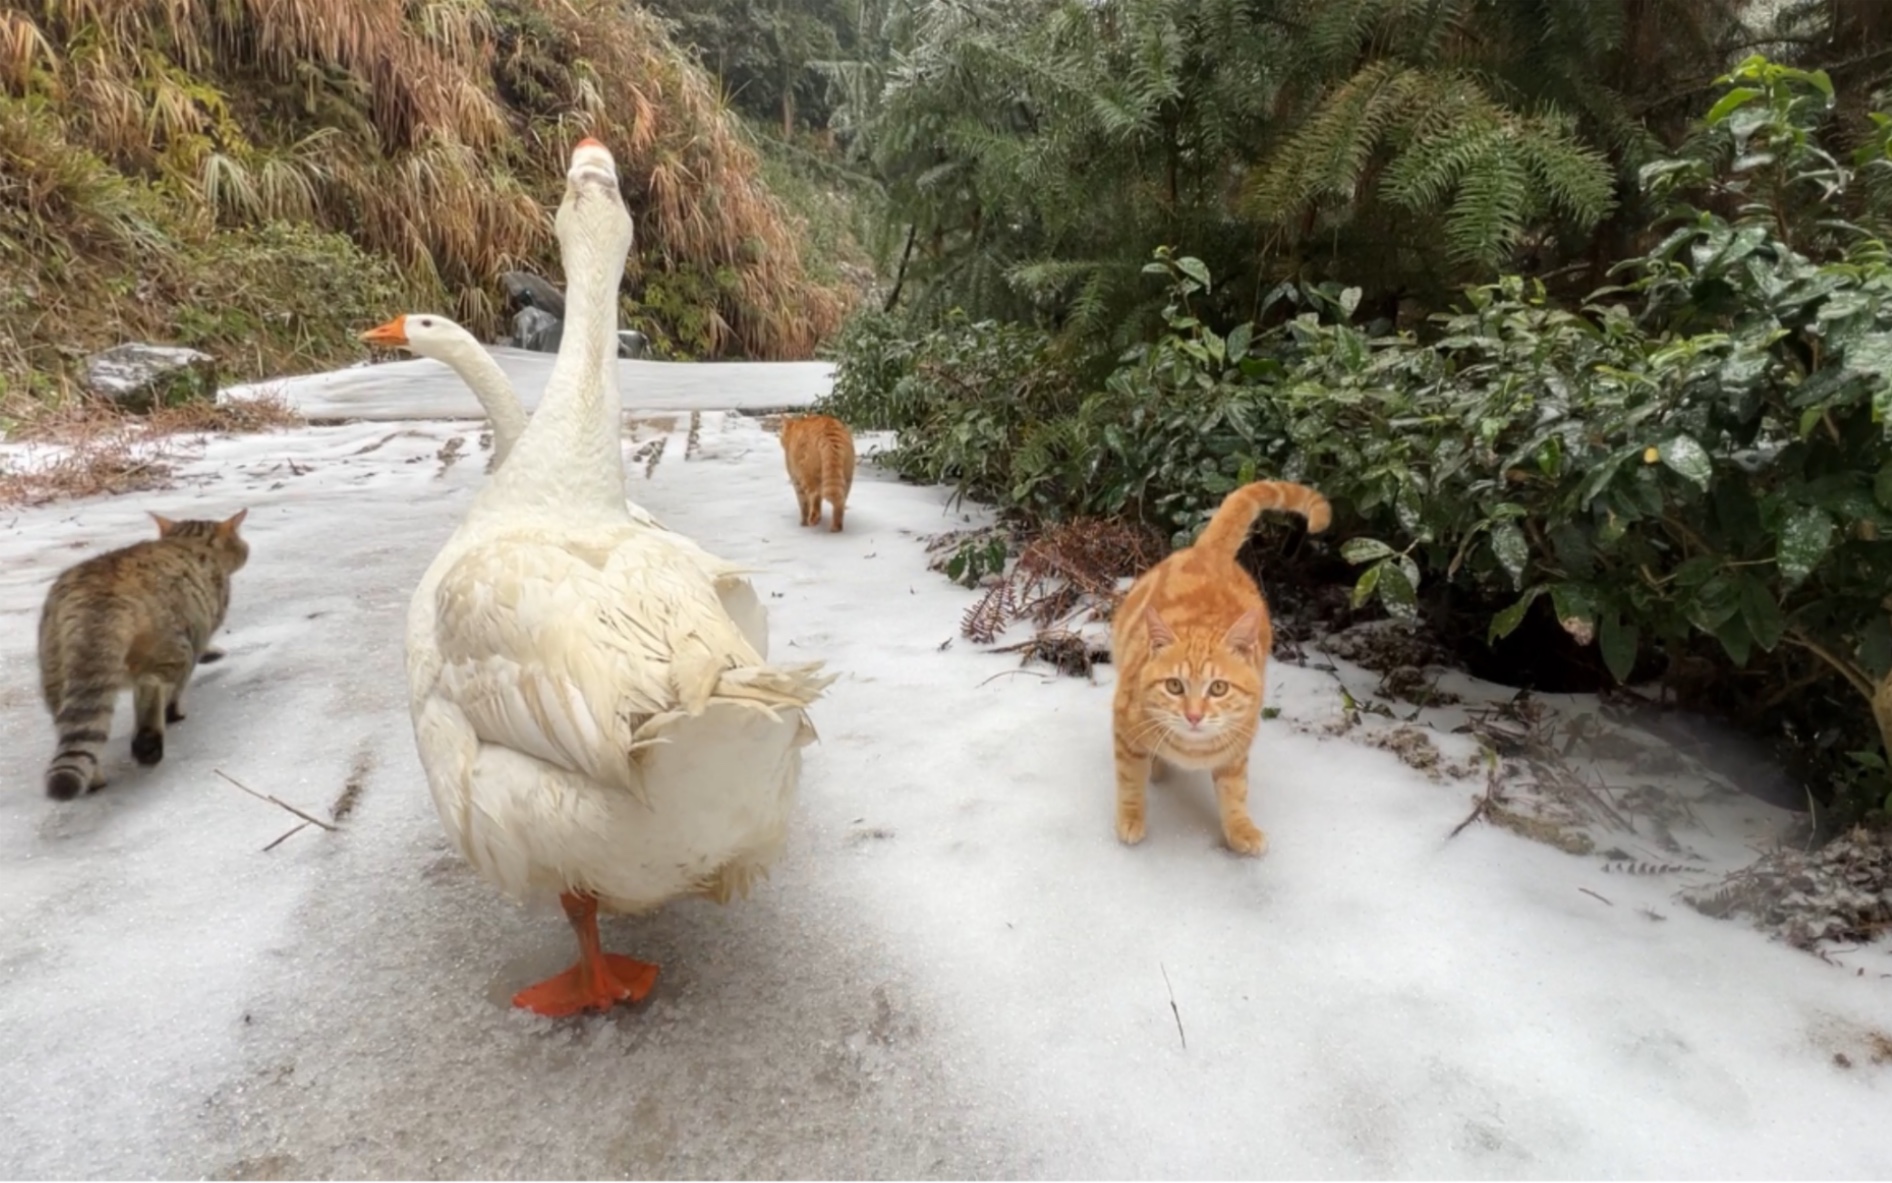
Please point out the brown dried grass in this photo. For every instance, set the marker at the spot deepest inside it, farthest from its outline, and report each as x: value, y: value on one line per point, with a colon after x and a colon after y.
x: 434, y: 134
x: 92, y: 460
x: 1069, y: 568
x: 102, y: 451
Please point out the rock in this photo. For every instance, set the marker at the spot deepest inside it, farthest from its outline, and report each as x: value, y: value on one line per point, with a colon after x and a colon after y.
x: 527, y: 290
x: 537, y: 329
x: 632, y: 343
x: 139, y: 376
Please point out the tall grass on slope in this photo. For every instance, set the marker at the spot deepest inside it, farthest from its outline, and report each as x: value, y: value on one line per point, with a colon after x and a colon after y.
x: 142, y: 140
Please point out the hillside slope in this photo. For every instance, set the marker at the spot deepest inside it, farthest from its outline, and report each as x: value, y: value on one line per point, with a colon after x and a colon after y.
x: 259, y: 177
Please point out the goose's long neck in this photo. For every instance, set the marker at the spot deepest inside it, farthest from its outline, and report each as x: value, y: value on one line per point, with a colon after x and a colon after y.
x: 570, y: 461
x: 490, y: 385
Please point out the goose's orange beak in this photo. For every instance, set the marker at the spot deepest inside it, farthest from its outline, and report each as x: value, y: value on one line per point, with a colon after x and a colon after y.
x: 391, y: 335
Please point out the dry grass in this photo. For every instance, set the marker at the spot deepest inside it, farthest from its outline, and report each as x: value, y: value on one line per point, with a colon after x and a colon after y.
x: 75, y: 420
x: 90, y: 448
x: 135, y: 134
x: 1070, y: 569
x: 96, y: 463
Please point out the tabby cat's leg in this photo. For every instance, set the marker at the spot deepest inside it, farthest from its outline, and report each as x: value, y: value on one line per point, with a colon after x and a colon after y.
x: 1133, y: 779
x: 1231, y: 797
x: 148, y: 714
x: 174, y: 704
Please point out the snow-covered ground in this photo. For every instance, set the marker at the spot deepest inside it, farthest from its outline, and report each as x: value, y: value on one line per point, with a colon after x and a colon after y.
x: 955, y: 971
x: 418, y: 387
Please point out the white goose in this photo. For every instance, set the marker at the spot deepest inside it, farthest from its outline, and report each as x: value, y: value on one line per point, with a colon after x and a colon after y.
x: 590, y: 719
x: 431, y: 335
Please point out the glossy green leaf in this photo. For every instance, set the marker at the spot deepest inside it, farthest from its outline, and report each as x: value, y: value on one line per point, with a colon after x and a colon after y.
x: 1618, y: 642
x: 1805, y: 537
x: 1736, y: 98
x: 1735, y: 638
x: 1572, y: 603
x: 1511, y: 549
x: 1397, y: 592
x: 1195, y: 269
x: 1364, y: 550
x: 1239, y: 338
x: 1363, y: 587
x: 1507, y: 621
x: 1688, y: 458
x: 1761, y: 613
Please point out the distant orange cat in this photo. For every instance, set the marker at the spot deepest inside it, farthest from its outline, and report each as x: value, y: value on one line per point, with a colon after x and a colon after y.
x: 1190, y: 643
x: 819, y: 452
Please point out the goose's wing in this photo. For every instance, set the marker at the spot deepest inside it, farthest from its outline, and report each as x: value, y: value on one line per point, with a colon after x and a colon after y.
x: 568, y: 652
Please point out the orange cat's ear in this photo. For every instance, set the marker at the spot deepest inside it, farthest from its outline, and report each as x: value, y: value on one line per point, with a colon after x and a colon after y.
x: 165, y: 525
x: 228, y: 527
x: 1245, y: 633
x: 1161, y: 635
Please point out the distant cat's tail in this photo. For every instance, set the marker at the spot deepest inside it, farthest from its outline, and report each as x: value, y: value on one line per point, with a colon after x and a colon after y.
x: 837, y: 474
x: 1228, y: 529
x: 84, y: 720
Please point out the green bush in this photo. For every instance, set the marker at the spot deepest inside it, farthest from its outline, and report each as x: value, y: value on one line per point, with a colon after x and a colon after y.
x: 973, y: 402
x: 1691, y: 472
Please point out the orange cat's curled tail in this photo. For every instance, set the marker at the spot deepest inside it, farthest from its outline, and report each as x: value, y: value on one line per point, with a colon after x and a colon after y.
x: 1228, y: 529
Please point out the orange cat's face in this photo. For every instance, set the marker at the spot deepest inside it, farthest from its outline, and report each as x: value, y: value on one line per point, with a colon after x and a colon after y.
x: 1202, y: 689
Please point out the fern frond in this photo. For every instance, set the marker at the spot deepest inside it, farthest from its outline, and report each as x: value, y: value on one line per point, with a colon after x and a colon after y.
x: 1493, y: 200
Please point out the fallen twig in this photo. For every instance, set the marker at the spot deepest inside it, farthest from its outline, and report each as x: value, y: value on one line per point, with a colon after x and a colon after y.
x: 1494, y: 788
x: 1008, y: 673
x: 300, y: 826
x: 1588, y: 892
x: 1172, y: 1007
x: 276, y: 801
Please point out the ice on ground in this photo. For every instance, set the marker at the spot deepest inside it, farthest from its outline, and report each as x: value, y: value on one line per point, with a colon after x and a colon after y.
x: 421, y: 388
x: 956, y: 970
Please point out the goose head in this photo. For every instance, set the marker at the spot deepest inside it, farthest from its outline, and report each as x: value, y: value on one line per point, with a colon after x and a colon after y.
x: 425, y: 333
x: 592, y: 221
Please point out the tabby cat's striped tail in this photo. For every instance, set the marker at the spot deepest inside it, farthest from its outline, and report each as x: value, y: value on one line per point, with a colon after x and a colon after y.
x: 1228, y: 529
x: 84, y: 720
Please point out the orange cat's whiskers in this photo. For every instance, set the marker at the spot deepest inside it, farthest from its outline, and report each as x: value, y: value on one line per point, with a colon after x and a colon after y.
x: 1190, y: 643
x: 1152, y: 734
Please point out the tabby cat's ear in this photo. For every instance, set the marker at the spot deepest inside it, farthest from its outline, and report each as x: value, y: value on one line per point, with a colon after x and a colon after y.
x: 1161, y: 635
x: 1245, y: 633
x: 165, y: 525
x: 227, y: 528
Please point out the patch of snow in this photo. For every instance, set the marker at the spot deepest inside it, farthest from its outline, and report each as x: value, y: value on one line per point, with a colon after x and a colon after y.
x: 956, y: 969
x: 421, y: 388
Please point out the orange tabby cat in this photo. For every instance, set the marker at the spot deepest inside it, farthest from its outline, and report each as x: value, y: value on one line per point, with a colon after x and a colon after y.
x: 819, y: 452
x: 1190, y: 643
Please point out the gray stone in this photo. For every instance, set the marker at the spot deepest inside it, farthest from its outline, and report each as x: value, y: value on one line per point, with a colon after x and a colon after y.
x: 139, y: 376
x: 537, y: 329
x: 632, y: 343
x: 527, y: 290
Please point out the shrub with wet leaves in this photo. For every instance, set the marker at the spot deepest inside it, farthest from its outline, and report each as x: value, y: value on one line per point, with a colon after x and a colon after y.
x: 1690, y: 473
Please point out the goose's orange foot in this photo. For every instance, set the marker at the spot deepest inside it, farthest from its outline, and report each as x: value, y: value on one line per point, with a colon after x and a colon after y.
x: 589, y: 985
x: 599, y: 981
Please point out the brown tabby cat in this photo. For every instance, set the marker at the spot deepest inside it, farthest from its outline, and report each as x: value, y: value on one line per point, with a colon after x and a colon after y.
x: 1191, y: 643
x: 819, y: 452
x: 139, y: 616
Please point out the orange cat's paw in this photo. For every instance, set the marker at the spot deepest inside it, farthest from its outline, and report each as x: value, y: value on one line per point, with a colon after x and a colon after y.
x: 1130, y: 828
x: 1245, y: 837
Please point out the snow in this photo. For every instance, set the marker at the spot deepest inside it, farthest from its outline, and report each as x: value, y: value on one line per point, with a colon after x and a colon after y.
x: 956, y: 970
x: 418, y: 387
